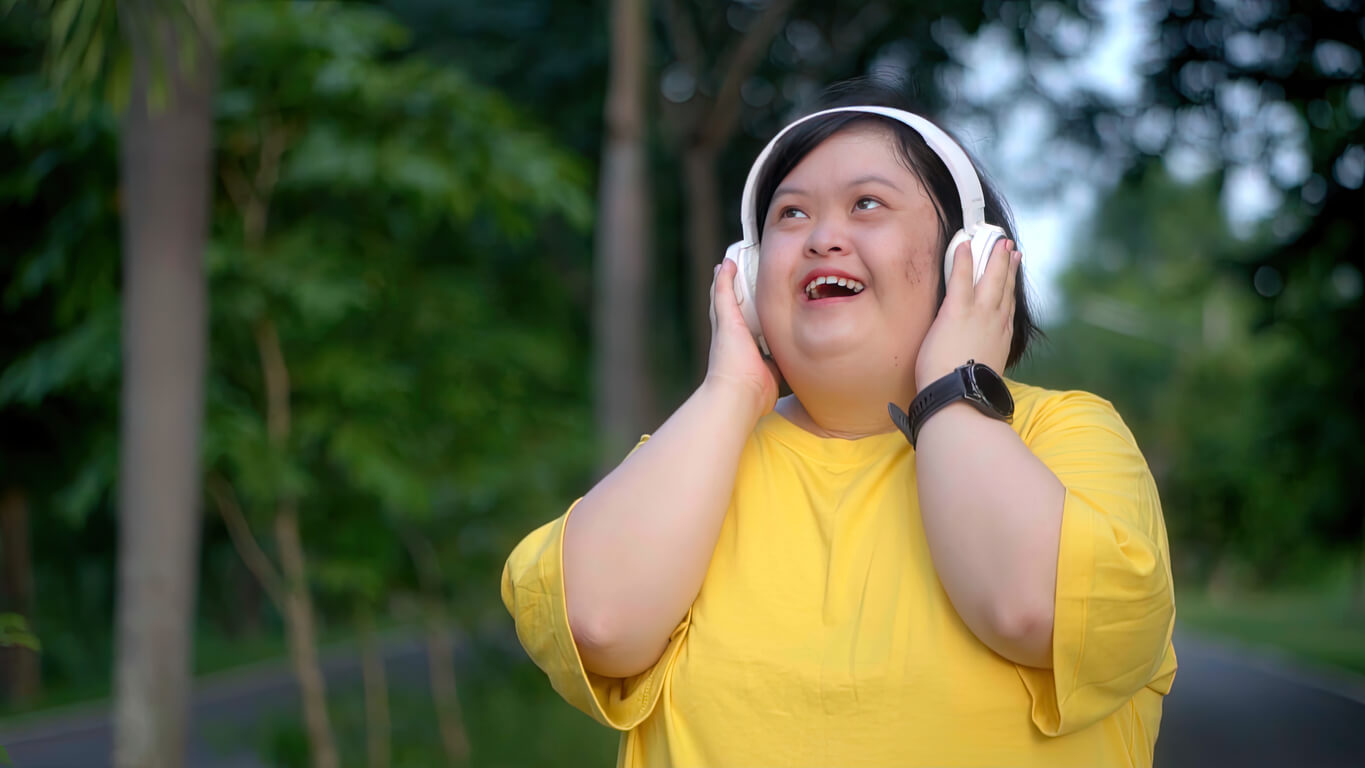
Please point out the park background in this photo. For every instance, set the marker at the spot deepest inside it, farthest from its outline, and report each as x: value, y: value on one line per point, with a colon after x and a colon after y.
x: 309, y: 311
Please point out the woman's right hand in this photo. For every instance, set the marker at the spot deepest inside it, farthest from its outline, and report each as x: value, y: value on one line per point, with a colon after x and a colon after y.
x: 735, y: 364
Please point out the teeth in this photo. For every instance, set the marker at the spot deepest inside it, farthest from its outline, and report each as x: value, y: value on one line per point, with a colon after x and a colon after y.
x: 852, y: 285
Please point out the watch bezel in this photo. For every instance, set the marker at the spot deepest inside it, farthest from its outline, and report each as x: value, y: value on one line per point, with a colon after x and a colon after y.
x: 995, y: 394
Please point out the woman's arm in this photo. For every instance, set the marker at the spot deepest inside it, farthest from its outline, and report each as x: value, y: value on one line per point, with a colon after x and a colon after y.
x: 992, y: 511
x: 637, y: 547
x: 992, y: 516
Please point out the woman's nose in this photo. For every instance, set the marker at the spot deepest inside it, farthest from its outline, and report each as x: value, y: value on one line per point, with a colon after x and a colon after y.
x: 827, y: 238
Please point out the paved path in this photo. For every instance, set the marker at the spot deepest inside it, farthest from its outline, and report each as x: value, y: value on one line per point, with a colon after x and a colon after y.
x: 1228, y: 708
x: 225, y: 705
x: 1244, y: 710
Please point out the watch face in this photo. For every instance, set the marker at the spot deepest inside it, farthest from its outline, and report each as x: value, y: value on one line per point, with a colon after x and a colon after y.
x: 993, y: 389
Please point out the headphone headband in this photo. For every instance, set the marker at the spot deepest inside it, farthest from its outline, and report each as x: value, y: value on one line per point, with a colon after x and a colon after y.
x: 952, y: 155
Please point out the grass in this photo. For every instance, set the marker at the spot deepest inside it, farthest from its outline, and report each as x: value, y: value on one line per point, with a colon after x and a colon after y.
x: 1318, y: 626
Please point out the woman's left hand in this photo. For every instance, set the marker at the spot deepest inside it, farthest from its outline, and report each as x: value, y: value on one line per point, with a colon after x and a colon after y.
x: 975, y: 322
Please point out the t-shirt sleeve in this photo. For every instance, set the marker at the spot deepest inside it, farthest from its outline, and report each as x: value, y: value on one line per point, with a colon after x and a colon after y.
x: 533, y: 591
x: 1115, y: 603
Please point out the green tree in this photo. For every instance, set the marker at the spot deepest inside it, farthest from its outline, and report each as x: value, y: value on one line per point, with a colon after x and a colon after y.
x: 155, y: 58
x: 1274, y: 89
x: 59, y: 352
x: 383, y: 366
x: 1158, y: 318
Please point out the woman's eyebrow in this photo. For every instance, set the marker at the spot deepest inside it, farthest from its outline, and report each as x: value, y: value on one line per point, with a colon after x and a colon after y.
x: 780, y: 191
x: 872, y: 177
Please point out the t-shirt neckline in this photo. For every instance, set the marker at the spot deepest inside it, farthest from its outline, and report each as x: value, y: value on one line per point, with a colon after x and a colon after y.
x: 832, y: 450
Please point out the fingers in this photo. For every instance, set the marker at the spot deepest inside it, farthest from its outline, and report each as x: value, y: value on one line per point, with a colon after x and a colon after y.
x: 1016, y: 258
x: 960, y: 279
x: 723, y: 301
x: 992, y: 284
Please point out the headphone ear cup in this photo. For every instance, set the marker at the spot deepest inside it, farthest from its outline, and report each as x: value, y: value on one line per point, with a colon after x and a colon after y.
x: 745, y: 257
x: 983, y: 238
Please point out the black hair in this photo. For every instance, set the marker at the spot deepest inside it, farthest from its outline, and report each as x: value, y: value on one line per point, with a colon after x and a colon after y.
x: 921, y: 160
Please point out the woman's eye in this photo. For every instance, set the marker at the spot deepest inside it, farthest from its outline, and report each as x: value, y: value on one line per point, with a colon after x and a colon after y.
x: 866, y: 204
x: 791, y: 213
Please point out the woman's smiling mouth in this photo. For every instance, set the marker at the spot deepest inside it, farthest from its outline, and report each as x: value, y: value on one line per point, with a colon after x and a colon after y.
x: 832, y: 287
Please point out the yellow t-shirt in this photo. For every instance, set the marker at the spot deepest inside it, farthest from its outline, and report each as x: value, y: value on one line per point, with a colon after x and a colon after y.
x: 822, y: 637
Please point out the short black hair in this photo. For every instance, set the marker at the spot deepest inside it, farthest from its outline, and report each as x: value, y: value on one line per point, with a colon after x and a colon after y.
x: 921, y: 160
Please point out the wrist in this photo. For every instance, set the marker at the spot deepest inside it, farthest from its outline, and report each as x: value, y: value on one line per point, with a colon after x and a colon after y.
x: 742, y: 401
x: 971, y: 383
x: 931, y: 373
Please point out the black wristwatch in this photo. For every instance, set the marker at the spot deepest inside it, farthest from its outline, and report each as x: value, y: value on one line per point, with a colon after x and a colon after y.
x: 974, y: 382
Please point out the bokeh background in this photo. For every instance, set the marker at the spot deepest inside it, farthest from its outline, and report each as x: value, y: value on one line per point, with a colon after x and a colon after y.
x: 309, y: 311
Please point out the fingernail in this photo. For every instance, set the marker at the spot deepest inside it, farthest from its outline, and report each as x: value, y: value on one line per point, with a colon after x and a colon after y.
x: 715, y: 271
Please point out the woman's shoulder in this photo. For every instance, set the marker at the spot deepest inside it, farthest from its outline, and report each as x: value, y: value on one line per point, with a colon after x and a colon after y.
x: 1038, y: 409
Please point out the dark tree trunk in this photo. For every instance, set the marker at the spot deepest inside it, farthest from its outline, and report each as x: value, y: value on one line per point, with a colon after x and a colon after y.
x: 164, y: 192
x: 19, y: 670
x: 704, y: 246
x: 621, y: 319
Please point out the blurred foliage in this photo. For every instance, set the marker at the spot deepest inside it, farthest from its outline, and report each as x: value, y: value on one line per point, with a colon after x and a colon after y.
x: 14, y: 630
x: 1154, y: 321
x: 1316, y: 624
x: 377, y: 199
x: 1234, y: 356
x: 390, y: 218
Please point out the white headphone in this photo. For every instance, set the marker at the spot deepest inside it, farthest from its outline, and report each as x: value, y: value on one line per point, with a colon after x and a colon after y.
x: 982, y: 236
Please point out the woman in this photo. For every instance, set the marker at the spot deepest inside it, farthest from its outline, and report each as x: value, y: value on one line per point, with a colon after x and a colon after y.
x: 790, y: 582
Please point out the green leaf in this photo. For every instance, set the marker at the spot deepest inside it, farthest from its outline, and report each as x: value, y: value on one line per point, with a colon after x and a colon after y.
x: 87, y: 354
x: 14, y: 630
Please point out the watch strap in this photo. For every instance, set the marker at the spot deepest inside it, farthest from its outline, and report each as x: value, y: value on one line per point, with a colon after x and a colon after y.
x: 960, y: 384
x: 945, y: 391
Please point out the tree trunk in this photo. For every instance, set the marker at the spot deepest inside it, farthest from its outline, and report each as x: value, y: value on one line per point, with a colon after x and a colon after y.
x: 623, y: 387
x: 440, y: 647
x: 441, y: 670
x: 19, y: 665
x: 303, y: 643
x: 704, y: 247
x: 298, y: 600
x: 712, y: 127
x: 376, y: 684
x: 165, y: 187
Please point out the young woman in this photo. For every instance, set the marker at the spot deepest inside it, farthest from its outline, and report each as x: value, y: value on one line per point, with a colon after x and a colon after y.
x: 798, y: 582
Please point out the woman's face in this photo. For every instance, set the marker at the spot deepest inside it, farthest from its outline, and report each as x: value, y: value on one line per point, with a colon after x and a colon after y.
x: 849, y: 210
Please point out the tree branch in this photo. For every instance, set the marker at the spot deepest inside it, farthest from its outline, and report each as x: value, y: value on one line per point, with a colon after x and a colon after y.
x: 257, y: 561
x: 275, y: 374
x: 684, y: 36
x: 237, y: 186
x: 725, y: 113
x: 273, y: 144
x: 424, y: 557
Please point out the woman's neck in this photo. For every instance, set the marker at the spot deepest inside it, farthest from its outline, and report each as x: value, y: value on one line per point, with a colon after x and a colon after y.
x: 847, y: 398
x: 851, y: 421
